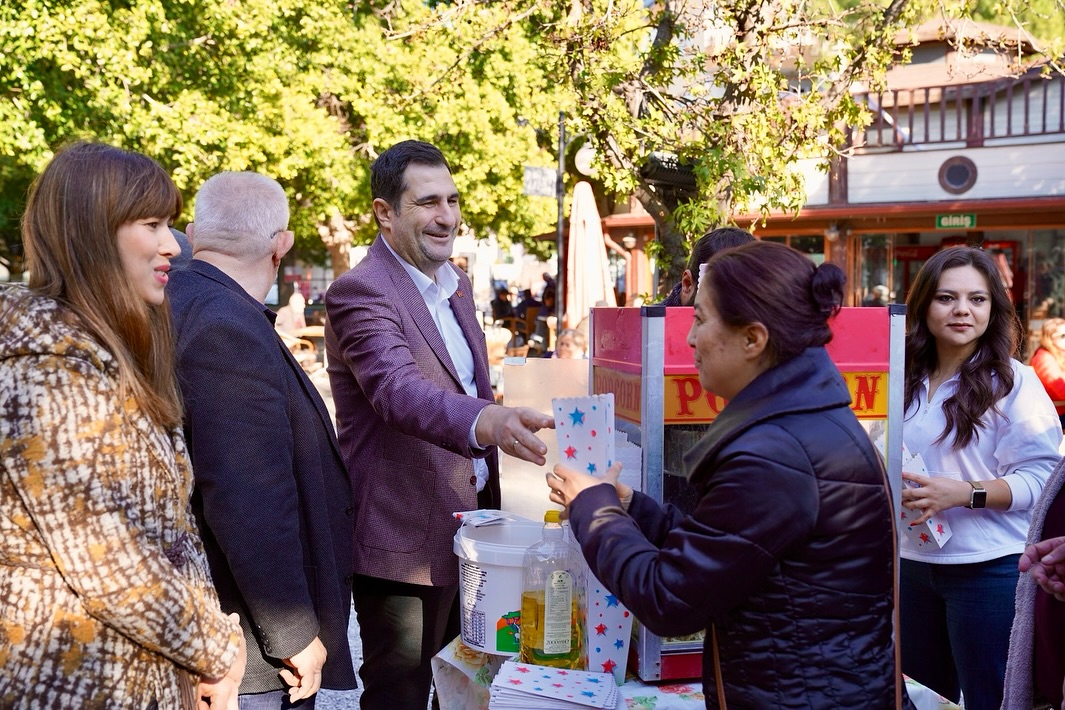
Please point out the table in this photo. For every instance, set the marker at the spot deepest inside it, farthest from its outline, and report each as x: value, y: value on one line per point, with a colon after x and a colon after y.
x: 463, y: 676
x: 316, y: 335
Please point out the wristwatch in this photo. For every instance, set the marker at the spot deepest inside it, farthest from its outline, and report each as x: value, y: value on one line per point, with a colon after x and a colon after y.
x: 978, y: 496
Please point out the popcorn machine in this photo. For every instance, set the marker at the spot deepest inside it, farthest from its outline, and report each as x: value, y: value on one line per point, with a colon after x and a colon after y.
x: 641, y: 355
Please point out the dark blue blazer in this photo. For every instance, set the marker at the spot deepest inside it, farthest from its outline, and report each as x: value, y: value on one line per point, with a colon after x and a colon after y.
x: 272, y: 499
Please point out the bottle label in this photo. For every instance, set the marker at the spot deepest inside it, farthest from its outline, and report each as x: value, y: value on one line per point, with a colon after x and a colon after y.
x: 558, y: 613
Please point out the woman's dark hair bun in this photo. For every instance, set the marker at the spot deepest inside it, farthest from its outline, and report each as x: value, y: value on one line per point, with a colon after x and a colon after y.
x: 826, y: 288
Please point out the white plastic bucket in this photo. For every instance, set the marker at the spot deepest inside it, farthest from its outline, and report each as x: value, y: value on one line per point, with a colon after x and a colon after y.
x: 490, y: 571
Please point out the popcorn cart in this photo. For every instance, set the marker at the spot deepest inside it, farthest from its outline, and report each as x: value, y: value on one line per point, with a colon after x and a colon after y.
x: 641, y: 355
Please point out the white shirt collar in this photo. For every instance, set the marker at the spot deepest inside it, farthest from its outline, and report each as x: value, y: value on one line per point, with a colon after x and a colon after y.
x: 436, y: 294
x: 446, y: 278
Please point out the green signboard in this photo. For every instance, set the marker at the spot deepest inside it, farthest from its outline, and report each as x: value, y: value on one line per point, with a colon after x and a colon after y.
x: 955, y: 221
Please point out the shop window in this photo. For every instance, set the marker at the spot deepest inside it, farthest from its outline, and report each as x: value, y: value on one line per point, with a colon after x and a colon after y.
x: 874, y: 270
x: 1048, y: 274
x: 909, y: 259
x: 811, y: 246
x: 618, y: 267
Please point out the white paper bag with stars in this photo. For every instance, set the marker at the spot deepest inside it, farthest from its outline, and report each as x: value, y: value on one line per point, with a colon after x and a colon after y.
x: 584, y: 427
x: 586, y: 440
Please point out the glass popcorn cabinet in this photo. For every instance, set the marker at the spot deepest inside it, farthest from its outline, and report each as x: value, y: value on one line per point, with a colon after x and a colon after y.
x: 641, y: 355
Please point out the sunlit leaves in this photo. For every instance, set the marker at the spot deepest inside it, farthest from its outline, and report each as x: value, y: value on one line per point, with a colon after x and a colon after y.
x: 307, y: 92
x: 738, y: 91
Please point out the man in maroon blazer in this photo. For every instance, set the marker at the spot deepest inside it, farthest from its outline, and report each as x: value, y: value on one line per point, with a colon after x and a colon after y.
x: 416, y: 418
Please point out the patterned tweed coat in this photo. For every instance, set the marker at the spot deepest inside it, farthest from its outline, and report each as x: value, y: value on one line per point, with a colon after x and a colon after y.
x: 104, y: 589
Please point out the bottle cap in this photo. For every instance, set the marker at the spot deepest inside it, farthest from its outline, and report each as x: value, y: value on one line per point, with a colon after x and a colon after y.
x: 553, y: 516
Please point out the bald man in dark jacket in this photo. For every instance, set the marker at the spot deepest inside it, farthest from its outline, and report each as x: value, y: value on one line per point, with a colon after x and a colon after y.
x: 273, y: 498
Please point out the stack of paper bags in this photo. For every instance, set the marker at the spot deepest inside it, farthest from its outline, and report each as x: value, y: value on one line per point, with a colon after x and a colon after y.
x: 584, y: 427
x: 525, y: 686
x: 934, y: 532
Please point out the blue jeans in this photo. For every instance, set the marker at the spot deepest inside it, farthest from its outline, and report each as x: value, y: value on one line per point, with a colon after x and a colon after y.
x: 274, y: 700
x: 956, y: 627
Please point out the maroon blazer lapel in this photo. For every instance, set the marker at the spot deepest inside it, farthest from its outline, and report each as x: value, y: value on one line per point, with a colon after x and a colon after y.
x: 414, y: 303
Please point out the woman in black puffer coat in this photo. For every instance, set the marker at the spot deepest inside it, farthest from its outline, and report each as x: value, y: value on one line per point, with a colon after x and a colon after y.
x: 787, y: 559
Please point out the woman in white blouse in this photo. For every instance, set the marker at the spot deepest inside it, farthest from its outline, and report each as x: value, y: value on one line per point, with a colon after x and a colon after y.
x: 989, y: 436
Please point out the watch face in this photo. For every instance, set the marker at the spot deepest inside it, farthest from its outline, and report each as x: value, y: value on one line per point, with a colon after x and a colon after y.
x: 979, y: 498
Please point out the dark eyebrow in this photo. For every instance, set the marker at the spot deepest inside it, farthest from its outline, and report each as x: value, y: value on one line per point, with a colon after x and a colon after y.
x: 950, y: 292
x: 422, y: 199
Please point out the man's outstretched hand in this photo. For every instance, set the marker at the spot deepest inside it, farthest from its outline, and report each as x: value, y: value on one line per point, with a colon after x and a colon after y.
x: 513, y: 430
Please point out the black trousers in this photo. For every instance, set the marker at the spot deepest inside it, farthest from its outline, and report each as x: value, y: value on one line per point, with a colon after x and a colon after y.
x: 402, y: 627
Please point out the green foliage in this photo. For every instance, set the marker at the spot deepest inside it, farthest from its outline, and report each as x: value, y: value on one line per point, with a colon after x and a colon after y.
x: 311, y: 92
x: 738, y: 91
x: 200, y: 86
x: 308, y: 93
x: 1044, y: 20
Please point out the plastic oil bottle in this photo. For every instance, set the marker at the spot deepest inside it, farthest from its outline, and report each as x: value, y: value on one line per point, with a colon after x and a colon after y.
x: 551, y: 624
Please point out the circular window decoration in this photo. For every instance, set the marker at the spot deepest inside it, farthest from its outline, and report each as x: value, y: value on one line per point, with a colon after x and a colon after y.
x: 957, y: 175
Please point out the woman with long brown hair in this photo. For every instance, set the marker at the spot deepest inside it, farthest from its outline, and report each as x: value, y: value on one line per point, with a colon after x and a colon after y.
x: 989, y: 438
x: 106, y: 592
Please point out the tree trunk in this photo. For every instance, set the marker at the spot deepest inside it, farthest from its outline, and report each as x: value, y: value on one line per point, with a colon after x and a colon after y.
x: 337, y: 236
x: 338, y: 255
x: 671, y: 255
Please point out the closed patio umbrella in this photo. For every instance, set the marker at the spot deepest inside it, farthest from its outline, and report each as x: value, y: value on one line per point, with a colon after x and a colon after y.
x: 588, y: 282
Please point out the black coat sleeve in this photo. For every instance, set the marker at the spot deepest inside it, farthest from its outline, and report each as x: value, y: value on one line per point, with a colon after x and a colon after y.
x: 678, y: 574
